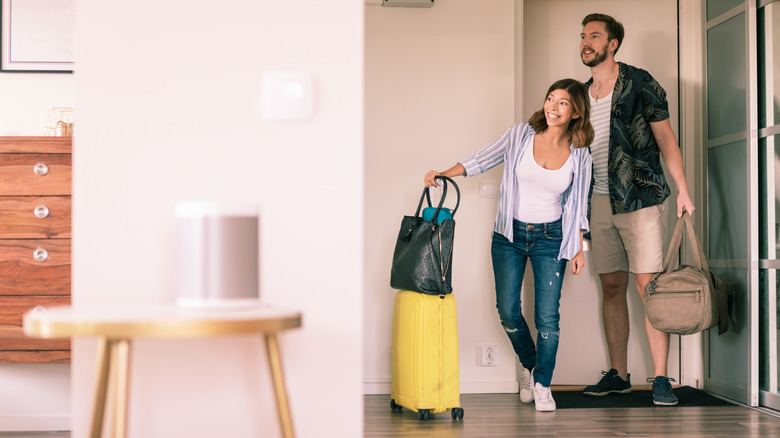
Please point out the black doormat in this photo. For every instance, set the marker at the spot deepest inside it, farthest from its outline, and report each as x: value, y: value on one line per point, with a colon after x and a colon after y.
x: 636, y: 399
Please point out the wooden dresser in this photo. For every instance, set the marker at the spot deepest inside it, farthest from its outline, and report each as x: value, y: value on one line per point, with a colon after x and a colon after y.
x: 35, y: 224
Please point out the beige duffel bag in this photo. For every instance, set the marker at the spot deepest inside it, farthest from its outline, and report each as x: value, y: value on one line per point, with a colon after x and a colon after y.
x: 688, y: 299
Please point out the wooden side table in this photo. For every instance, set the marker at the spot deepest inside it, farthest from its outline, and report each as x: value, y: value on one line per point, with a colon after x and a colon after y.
x: 115, y: 329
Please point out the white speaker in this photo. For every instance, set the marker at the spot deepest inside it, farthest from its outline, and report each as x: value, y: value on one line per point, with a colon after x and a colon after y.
x: 218, y: 255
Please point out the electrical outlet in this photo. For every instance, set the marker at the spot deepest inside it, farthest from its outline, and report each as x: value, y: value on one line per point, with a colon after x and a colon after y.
x: 489, y: 357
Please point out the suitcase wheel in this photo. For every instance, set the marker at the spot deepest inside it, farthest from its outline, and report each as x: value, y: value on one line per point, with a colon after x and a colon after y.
x: 457, y: 413
x: 394, y: 407
x: 424, y: 414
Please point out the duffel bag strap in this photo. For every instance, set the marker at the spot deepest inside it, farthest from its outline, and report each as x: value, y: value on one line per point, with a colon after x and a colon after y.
x: 670, y: 260
x: 674, y: 245
x: 701, y: 262
x: 698, y: 251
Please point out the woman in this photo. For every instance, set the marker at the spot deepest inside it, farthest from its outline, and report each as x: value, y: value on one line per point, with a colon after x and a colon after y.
x: 542, y: 215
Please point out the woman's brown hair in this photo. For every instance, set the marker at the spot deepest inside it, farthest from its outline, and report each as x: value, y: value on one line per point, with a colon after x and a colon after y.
x: 580, y: 128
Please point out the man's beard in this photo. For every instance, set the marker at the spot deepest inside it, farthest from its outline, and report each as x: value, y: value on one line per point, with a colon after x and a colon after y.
x: 598, y: 58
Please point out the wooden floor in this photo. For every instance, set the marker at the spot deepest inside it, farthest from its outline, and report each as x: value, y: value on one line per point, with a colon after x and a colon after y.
x: 503, y: 415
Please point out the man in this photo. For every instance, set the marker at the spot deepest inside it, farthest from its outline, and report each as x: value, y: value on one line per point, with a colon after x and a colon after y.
x: 629, y: 113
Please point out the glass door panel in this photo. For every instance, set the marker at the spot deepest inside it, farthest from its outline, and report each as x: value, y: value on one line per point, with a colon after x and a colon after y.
x: 726, y: 78
x: 726, y: 201
x: 768, y: 66
x: 727, y: 216
x: 717, y: 7
x: 731, y: 207
x: 768, y: 348
x: 768, y: 42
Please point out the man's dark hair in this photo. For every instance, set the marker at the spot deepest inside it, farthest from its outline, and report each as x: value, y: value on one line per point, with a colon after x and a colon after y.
x: 614, y: 28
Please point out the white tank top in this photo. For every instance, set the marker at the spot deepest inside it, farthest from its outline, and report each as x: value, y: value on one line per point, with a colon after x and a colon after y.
x: 538, y: 190
x: 600, y: 115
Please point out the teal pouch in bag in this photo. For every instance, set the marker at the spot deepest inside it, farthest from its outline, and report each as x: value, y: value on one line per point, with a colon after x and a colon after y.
x: 429, y: 212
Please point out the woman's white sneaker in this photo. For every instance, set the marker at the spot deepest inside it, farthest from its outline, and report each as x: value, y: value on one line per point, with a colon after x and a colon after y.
x: 526, y: 386
x: 543, y: 398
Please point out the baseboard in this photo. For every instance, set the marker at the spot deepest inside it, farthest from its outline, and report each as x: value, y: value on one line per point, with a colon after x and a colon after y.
x: 376, y: 386
x: 382, y: 386
x: 21, y: 423
x: 492, y: 387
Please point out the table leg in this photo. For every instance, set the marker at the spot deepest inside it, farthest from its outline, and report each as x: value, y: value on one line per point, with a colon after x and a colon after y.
x: 121, y: 354
x: 101, y: 387
x: 282, y: 405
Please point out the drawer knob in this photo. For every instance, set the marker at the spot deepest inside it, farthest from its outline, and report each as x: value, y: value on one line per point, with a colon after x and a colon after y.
x: 40, y: 255
x: 41, y: 169
x: 41, y: 212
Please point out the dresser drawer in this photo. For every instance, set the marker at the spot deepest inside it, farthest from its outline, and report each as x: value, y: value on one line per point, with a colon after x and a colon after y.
x: 36, y: 356
x: 22, y: 274
x: 13, y: 308
x: 35, y: 174
x: 13, y: 338
x: 15, y: 347
x: 41, y: 144
x: 35, y: 217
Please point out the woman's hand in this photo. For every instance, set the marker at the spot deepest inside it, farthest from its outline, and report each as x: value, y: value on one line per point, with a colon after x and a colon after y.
x: 430, y: 178
x: 577, y: 263
x: 456, y: 170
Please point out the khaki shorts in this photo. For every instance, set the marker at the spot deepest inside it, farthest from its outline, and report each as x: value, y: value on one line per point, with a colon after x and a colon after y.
x: 630, y: 242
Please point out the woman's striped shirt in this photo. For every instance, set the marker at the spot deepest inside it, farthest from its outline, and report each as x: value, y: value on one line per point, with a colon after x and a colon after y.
x: 508, y: 149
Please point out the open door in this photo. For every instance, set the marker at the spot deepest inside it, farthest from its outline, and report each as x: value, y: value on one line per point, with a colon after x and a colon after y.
x: 732, y: 195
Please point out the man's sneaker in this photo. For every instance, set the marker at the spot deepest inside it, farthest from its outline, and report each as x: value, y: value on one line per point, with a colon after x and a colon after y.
x: 611, y: 383
x: 526, y: 386
x: 543, y: 398
x: 662, y: 391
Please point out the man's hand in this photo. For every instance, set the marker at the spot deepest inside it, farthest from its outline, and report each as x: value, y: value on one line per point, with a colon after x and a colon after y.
x: 684, y: 203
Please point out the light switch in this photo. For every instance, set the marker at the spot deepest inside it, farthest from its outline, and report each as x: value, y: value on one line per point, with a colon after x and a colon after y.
x: 287, y: 96
x: 487, y: 189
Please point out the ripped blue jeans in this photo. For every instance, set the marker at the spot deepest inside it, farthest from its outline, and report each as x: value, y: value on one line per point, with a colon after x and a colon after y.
x: 540, y: 243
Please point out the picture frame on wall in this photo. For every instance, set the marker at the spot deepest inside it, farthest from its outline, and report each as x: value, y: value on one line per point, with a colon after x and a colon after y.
x: 37, y: 36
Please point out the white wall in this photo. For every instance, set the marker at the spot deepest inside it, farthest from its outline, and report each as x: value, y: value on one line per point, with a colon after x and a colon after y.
x: 551, y: 51
x: 28, y: 96
x: 439, y: 86
x: 34, y: 397
x: 169, y: 109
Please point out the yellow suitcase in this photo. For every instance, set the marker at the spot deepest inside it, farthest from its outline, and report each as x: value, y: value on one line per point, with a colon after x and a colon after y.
x: 424, y: 359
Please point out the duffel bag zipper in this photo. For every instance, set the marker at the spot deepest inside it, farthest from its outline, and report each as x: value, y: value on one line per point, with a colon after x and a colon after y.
x: 678, y: 292
x: 653, y: 285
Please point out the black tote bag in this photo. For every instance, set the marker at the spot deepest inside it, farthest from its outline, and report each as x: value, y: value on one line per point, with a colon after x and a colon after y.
x: 422, y: 260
